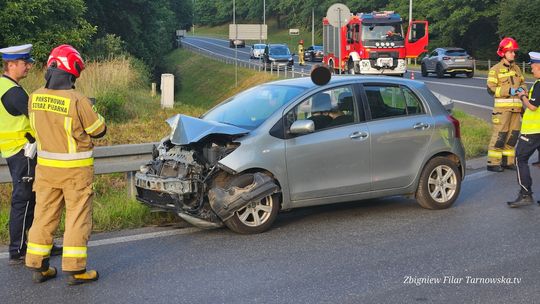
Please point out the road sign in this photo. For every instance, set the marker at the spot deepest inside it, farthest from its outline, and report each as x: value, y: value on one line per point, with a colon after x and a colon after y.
x: 294, y: 32
x: 248, y: 31
x: 180, y: 33
x: 338, y: 15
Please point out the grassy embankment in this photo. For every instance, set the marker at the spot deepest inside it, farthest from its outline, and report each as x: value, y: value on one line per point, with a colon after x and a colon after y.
x: 122, y: 90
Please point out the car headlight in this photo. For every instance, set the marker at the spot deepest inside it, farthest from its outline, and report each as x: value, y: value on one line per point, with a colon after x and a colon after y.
x: 272, y: 59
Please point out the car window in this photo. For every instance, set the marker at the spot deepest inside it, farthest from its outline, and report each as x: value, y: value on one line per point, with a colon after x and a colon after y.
x: 279, y: 50
x: 458, y: 52
x: 327, y: 109
x: 433, y: 54
x: 391, y: 101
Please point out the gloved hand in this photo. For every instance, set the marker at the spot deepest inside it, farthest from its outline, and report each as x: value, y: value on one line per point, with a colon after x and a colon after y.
x: 520, y: 89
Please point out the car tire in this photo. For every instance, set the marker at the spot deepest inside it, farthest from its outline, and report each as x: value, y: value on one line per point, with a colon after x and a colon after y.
x: 470, y: 74
x: 439, y: 185
x: 424, y: 70
x: 244, y: 221
x: 440, y: 71
x: 350, y: 67
x: 453, y: 75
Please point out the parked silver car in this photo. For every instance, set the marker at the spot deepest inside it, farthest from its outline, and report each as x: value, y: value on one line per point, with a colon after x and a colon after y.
x: 256, y: 51
x: 448, y: 60
x: 291, y: 143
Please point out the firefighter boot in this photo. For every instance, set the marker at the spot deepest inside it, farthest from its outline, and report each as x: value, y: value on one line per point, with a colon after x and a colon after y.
x: 88, y: 276
x: 56, y: 250
x: 42, y: 276
x: 496, y: 168
x: 523, y: 199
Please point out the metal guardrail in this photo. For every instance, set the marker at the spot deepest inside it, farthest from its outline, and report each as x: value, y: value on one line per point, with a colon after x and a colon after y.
x: 111, y: 159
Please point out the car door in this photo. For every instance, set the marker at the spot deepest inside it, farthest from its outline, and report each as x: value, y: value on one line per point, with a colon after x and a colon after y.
x: 432, y: 61
x: 333, y: 160
x: 401, y: 128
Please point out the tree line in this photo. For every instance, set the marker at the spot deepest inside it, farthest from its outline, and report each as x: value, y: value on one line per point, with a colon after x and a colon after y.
x: 476, y: 25
x: 98, y: 28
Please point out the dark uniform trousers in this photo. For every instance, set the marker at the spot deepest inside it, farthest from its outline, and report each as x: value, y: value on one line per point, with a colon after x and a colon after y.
x: 23, y: 201
x: 527, y: 145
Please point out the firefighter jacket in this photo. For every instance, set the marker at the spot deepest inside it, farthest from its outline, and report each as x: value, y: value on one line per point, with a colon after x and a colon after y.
x: 64, y: 122
x: 12, y: 128
x: 531, y: 119
x: 501, y: 78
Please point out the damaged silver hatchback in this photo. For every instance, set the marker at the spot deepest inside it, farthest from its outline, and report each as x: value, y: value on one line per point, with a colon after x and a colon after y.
x: 292, y: 143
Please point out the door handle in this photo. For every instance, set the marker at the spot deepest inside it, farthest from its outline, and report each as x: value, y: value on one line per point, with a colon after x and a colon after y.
x: 359, y: 135
x: 420, y: 126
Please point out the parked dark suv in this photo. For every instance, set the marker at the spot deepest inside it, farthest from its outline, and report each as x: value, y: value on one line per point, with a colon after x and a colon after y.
x: 277, y: 56
x: 448, y: 60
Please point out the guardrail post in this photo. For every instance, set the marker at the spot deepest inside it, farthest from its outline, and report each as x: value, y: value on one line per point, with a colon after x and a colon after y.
x: 489, y: 64
x: 153, y: 92
x: 130, y: 182
x: 523, y: 64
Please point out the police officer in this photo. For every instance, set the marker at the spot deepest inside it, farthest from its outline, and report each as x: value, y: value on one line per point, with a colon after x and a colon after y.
x: 504, y: 82
x: 65, y: 123
x: 301, y: 53
x: 15, y: 135
x: 529, y: 140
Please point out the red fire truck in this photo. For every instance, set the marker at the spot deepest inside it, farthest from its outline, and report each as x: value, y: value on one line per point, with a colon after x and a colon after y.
x: 373, y: 44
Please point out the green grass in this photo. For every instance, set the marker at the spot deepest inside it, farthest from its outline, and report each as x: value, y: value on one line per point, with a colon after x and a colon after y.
x: 475, y: 134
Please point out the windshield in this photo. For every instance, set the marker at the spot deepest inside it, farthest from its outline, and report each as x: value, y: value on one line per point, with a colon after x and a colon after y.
x: 279, y: 50
x: 317, y: 48
x: 252, y: 107
x: 259, y: 46
x: 382, y: 32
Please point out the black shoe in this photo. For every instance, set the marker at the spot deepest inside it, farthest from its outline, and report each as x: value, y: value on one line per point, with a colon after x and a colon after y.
x: 40, y: 277
x: 16, y: 260
x: 510, y: 167
x: 521, y: 200
x: 497, y: 168
x: 56, y: 250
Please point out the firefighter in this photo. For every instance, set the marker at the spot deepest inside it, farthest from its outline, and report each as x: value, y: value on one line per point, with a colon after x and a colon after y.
x: 504, y: 82
x: 16, y: 144
x: 301, y: 53
x: 64, y: 122
x: 529, y: 140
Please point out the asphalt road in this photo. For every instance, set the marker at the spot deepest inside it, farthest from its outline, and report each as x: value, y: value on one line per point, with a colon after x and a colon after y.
x: 376, y: 251
x: 469, y: 94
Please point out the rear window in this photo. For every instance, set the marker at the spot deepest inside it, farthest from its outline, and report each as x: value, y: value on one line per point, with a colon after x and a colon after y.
x: 317, y: 48
x: 459, y: 52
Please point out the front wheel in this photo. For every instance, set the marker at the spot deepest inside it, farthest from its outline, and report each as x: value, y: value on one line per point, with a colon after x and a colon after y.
x: 440, y: 71
x: 255, y: 217
x: 424, y: 70
x: 439, y: 185
x: 470, y: 74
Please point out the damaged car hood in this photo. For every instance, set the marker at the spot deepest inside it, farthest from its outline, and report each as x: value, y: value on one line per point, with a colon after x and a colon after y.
x: 186, y: 129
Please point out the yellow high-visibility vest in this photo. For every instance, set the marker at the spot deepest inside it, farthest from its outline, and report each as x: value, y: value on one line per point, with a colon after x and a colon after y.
x: 531, y: 119
x: 12, y: 128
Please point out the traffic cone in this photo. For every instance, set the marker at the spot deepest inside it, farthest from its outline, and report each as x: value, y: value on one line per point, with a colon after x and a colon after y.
x: 412, y: 75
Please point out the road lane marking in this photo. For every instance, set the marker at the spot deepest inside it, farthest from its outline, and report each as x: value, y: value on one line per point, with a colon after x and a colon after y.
x: 477, y: 175
x: 473, y: 104
x: 132, y: 238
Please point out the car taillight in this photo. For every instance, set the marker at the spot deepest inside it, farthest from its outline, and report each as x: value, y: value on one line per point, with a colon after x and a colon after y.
x: 455, y: 122
x: 446, y: 58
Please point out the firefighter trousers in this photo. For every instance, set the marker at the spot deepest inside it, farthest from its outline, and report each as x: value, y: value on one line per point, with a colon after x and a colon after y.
x: 527, y: 145
x: 505, y: 133
x: 50, y: 203
x: 23, y: 200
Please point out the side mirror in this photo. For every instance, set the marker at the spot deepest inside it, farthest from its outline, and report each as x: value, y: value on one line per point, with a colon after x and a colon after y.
x: 302, y: 127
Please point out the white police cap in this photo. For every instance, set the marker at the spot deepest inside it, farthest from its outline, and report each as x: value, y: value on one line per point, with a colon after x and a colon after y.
x: 21, y: 52
x: 535, y: 57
